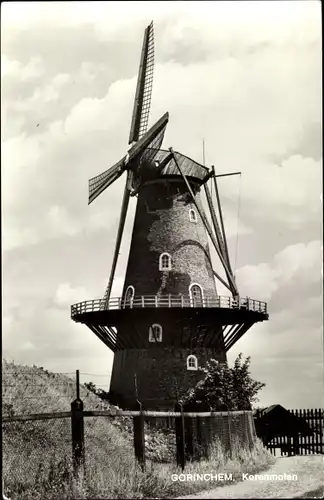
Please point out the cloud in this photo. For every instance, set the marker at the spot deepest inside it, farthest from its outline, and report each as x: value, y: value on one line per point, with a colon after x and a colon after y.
x: 263, y: 280
x: 14, y: 69
x: 92, y: 115
x: 66, y: 295
x: 61, y: 80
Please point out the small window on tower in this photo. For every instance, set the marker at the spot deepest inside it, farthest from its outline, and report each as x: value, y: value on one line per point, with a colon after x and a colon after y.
x: 192, y: 362
x: 155, y: 333
x: 129, y: 296
x: 196, y: 295
x: 192, y: 215
x: 165, y: 262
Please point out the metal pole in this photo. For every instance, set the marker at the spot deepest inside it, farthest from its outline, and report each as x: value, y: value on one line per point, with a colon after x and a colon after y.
x: 136, y: 388
x: 204, y: 160
x: 227, y: 175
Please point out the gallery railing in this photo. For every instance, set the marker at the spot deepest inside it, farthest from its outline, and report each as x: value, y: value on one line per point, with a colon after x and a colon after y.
x: 145, y: 301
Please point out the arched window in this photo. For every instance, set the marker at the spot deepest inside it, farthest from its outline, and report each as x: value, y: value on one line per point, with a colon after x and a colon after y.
x: 155, y: 333
x: 192, y: 215
x: 192, y: 362
x: 165, y: 262
x: 129, y: 296
x: 196, y: 295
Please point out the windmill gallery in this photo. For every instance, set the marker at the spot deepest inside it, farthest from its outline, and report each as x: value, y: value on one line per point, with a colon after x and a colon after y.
x: 170, y: 318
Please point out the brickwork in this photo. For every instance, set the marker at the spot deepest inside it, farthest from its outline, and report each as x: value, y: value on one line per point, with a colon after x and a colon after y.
x: 162, y: 224
x: 161, y: 374
x: 161, y: 367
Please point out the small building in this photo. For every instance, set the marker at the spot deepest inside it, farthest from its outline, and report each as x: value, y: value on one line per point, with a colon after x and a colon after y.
x: 279, y: 425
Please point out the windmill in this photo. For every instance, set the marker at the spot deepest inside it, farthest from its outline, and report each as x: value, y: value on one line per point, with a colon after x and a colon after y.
x: 170, y: 318
x: 144, y: 144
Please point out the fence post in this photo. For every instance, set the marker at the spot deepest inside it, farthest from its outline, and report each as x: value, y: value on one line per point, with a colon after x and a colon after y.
x: 249, y: 422
x: 139, y: 437
x: 180, y: 436
x: 188, y: 434
x: 296, y: 444
x: 77, y: 424
x: 230, y: 434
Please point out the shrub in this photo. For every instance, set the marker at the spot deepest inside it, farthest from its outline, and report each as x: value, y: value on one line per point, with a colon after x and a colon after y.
x: 225, y: 388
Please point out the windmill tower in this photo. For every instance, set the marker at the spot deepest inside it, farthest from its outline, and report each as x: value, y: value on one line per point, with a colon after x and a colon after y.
x: 170, y: 319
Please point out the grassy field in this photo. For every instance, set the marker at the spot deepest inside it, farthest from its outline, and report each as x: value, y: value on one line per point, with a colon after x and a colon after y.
x: 37, y: 455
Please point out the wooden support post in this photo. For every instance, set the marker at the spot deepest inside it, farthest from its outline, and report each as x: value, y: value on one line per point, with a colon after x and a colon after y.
x: 188, y: 431
x: 296, y: 444
x: 229, y: 434
x: 219, y: 236
x: 123, y: 213
x: 139, y: 437
x: 200, y: 449
x: 77, y: 425
x: 180, y: 437
x: 220, y: 214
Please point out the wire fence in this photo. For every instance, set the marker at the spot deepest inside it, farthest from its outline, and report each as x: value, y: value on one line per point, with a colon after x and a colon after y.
x: 39, y: 446
x: 34, y: 450
x: 36, y: 390
x: 230, y: 430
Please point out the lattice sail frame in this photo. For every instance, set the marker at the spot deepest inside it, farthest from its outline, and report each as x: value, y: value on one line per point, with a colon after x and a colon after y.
x: 143, y: 95
x: 100, y: 182
x: 152, y: 149
x: 153, y: 137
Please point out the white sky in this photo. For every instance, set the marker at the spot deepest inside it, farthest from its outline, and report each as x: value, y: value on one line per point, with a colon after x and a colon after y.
x: 246, y: 76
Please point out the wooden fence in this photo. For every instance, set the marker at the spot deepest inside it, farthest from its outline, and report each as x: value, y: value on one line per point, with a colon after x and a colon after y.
x: 187, y: 425
x: 185, y: 433
x: 301, y: 443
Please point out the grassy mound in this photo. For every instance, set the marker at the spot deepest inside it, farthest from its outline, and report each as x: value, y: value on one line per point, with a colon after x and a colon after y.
x: 37, y: 455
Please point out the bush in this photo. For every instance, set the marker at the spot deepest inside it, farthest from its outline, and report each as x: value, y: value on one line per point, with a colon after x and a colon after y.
x: 225, y: 388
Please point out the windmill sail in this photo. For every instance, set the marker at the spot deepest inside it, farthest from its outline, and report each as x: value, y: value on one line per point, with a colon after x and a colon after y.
x: 152, y: 139
x: 143, y: 94
x: 147, y: 145
x: 99, y: 183
x: 122, y: 220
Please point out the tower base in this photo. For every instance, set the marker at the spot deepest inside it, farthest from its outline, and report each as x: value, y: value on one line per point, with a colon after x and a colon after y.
x: 157, y: 377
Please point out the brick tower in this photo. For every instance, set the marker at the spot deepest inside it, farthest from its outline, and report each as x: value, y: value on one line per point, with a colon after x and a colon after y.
x: 170, y: 319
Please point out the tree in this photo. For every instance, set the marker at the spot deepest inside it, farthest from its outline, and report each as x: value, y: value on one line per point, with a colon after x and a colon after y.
x: 225, y: 388
x: 91, y: 387
x: 96, y: 390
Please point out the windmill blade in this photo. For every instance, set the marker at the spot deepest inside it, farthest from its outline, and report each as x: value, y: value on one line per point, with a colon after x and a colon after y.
x: 122, y: 219
x: 143, y: 94
x: 154, y: 146
x: 99, y: 183
x: 152, y: 140
x: 143, y: 147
